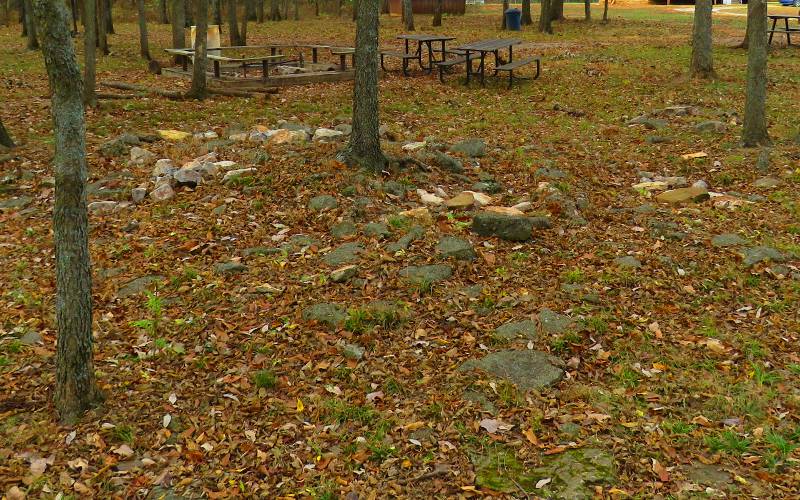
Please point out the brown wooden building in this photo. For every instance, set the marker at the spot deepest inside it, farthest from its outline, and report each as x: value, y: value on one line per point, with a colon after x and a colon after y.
x: 428, y: 6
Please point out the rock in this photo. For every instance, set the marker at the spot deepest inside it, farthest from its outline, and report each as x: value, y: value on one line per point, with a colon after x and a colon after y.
x: 138, y: 194
x: 102, y: 207
x: 16, y: 202
x: 421, y: 215
x: 137, y: 286
x: 220, y: 209
x: 326, y: 134
x: 505, y: 211
x: 708, y: 475
x: 658, y: 139
x: 322, y: 202
x: 554, y: 323
x: 173, y: 135
x: 343, y: 274
x: 239, y: 136
x: 762, y: 162
x: 413, y: 146
x: 728, y: 240
x: 628, y: 262
x: 507, y: 227
x: 767, y: 182
x: 650, y: 186
x: 427, y: 274
x: 353, y: 351
x: 523, y: 206
x: 700, y: 184
x: 447, y: 162
x: 256, y: 251
x: 550, y: 173
x: 326, y: 313
x: 428, y: 198
x: 225, y: 164
x: 163, y: 167
x: 490, y: 187
x: 666, y: 230
x: 232, y: 175
x: 480, y: 399
x: 162, y: 192
x: 456, y: 248
x: 118, y: 146
x: 188, y: 178
x: 285, y: 136
x: 481, y: 199
x: 684, y: 195
x: 377, y: 230
x: 343, y: 254
x: 394, y: 188
x: 526, y: 369
x: 473, y: 148
x: 648, y: 122
x: 413, y: 234
x: 141, y: 157
x: 343, y: 229
x: 525, y: 329
x: 575, y: 473
x: 344, y: 128
x: 31, y: 337
x: 754, y: 255
x: 231, y: 267
x: 461, y: 201
x: 710, y: 126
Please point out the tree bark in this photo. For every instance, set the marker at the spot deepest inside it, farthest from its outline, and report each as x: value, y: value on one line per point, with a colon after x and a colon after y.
x: 754, y: 131
x: 296, y: 10
x: 746, y: 41
x: 108, y: 9
x: 408, y: 16
x: 243, y: 31
x: 250, y: 7
x: 23, y: 21
x: 605, y: 11
x: 316, y: 8
x: 178, y: 25
x: 233, y: 25
x: 274, y: 11
x: 503, y: 22
x: 144, y: 47
x: 364, y: 148
x: 260, y: 11
x: 5, y: 137
x: 545, y: 23
x: 437, y: 12
x: 76, y: 390
x: 286, y: 9
x: 30, y: 27
x: 587, y: 10
x: 198, y: 89
x: 89, y: 51
x: 556, y: 10
x: 702, y: 63
x: 526, y: 19
x: 162, y: 12
x: 101, y: 29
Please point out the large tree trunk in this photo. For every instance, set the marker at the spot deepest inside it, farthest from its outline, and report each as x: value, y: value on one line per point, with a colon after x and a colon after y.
x: 746, y: 41
x: 233, y: 24
x: 76, y: 390
x: 144, y: 47
x: 702, y: 63
x: 274, y: 11
x: 102, y: 30
x: 178, y: 25
x: 30, y: 27
x: 605, y: 11
x: 754, y: 131
x: 108, y: 9
x: 364, y: 148
x: 198, y: 90
x: 409, y: 15
x: 162, y: 12
x: 243, y: 32
x: 526, y: 13
x: 5, y: 138
x: 587, y: 10
x: 503, y: 22
x: 545, y: 23
x: 89, y: 50
x: 556, y: 10
x: 437, y: 12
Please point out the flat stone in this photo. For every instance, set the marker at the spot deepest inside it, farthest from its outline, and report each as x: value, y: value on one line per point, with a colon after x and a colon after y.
x: 141, y: 157
x: 728, y: 240
x: 326, y: 134
x: 474, y: 148
x: 507, y: 227
x: 419, y: 214
x: 102, y: 207
x: 461, y: 201
x: 14, y: 203
x: 480, y: 399
x: 285, y: 136
x: 648, y: 122
x: 231, y: 175
x: 343, y: 229
x: 188, y: 177
x: 344, y: 274
x: 754, y: 255
x: 667, y: 230
x: 230, y: 267
x: 658, y: 139
x: 162, y: 192
x: 515, y: 329
x: 163, y: 167
x: 31, y: 337
x: 628, y: 262
x: 456, y: 248
x: 526, y: 369
x: 447, y: 162
x: 708, y: 475
x: 490, y: 187
x: 550, y: 173
x: 377, y: 230
x: 257, y: 251
x: 138, y: 194
x: 767, y: 182
x: 326, y: 313
x: 343, y: 254
x: 554, y: 323
x: 429, y: 198
x: 414, y: 233
x: 711, y: 126
x: 430, y: 273
x: 694, y: 194
x: 394, y: 188
x: 575, y: 473
x: 353, y: 351
x: 323, y: 202
x: 137, y: 286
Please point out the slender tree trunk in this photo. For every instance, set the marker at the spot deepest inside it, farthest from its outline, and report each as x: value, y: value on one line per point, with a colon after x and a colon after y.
x: 233, y: 28
x: 702, y: 63
x: 296, y: 10
x: 409, y: 15
x: 437, y: 12
x: 217, y: 6
x: 198, y: 90
x: 250, y: 6
x: 274, y: 10
x: 503, y: 22
x: 355, y: 10
x: 545, y: 23
x: 556, y: 10
x: 178, y: 25
x: 316, y: 8
x: 243, y: 31
x: 526, y: 19
x: 76, y: 390
x: 189, y: 13
x: 5, y: 137
x: 286, y: 9
x: 162, y: 12
x: 260, y: 11
x: 338, y: 8
x: 102, y: 31
x: 30, y: 27
x: 144, y: 47
x: 587, y: 10
x: 385, y: 7
x: 108, y: 9
x: 746, y: 41
x: 364, y: 148
x: 23, y: 20
x: 89, y: 50
x: 754, y: 131
x: 605, y: 11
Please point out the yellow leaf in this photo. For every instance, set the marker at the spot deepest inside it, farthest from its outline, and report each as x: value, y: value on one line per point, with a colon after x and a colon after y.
x: 531, y: 436
x: 299, y: 406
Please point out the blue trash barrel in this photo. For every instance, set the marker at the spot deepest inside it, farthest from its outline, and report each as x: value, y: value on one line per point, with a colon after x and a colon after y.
x: 513, y: 19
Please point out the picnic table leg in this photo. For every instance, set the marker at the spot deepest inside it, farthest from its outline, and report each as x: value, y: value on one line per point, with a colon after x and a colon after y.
x: 216, y: 69
x: 185, y: 62
x: 469, y: 68
x: 444, y: 51
x: 496, y: 61
x: 265, y: 68
x: 788, y: 35
x: 772, y: 31
x: 244, y: 70
x: 483, y: 69
x: 430, y: 56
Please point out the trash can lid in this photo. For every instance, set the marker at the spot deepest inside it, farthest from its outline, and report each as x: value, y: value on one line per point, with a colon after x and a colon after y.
x: 512, y: 10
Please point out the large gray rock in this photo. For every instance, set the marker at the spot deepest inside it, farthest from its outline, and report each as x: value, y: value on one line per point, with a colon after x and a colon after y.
x: 188, y: 177
x: 754, y: 255
x: 14, y: 203
x: 628, y: 262
x: 230, y: 267
x: 162, y: 192
x: 456, y: 248
x: 710, y: 126
x: 728, y: 240
x: 322, y: 202
x: 447, y: 162
x: 377, y: 230
x: 141, y: 157
x: 327, y: 313
x: 413, y: 234
x: 575, y: 473
x: 137, y: 286
x: 515, y: 329
x: 343, y: 229
x: 526, y: 369
x: 427, y: 274
x: 473, y: 148
x: 648, y: 122
x: 346, y: 253
x: 119, y: 146
x: 507, y: 227
x: 767, y: 182
x: 344, y: 274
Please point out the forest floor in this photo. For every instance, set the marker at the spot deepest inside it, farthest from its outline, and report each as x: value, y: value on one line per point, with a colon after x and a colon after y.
x: 652, y: 351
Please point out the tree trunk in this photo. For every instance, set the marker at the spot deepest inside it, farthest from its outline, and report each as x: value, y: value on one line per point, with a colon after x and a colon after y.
x: 385, y: 7
x: 355, y: 10
x: 30, y: 27
x: 316, y: 8
x: 251, y: 10
x: 102, y: 31
x: 364, y: 148
x: 286, y: 9
x: 702, y: 63
x: 503, y: 22
x: 243, y: 31
x: 754, y: 131
x: 587, y: 10
x: 526, y: 19
x: 89, y: 50
x: 109, y: 13
x: 274, y: 11
x: 178, y: 25
x: 545, y: 23
x: 217, y: 6
x: 260, y: 11
x: 437, y: 13
x: 144, y: 47
x: 76, y: 390
x: 23, y: 21
x: 605, y: 11
x: 198, y: 90
x: 296, y: 10
x: 162, y: 12
x: 409, y: 15
x: 556, y: 10
x: 746, y: 41
x: 339, y: 8
x: 233, y: 28
x: 5, y: 138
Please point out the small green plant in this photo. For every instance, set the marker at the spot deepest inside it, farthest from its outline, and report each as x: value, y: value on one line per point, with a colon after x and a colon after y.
x: 597, y: 323
x: 677, y: 427
x: 4, y: 361
x: 573, y: 276
x: 422, y: 286
x: 123, y: 433
x: 340, y: 411
x: 398, y: 221
x: 392, y: 386
x: 629, y: 378
x: 155, y: 306
x: 265, y: 379
x: 763, y: 377
x: 728, y: 442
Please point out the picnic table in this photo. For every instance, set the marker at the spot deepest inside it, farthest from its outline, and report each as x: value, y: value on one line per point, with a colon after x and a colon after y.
x: 786, y: 29
x: 427, y: 40
x: 484, y: 47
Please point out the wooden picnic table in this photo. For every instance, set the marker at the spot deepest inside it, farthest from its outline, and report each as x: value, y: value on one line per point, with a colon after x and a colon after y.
x: 484, y: 47
x: 428, y: 40
x: 265, y: 61
x: 786, y: 29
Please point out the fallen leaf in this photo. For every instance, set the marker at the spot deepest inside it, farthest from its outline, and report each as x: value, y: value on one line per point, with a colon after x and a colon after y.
x: 661, y: 471
x: 543, y: 482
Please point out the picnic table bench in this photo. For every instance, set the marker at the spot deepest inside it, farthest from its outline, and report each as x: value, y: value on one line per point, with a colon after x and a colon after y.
x: 343, y: 52
x: 481, y: 49
x: 265, y: 61
x: 422, y: 40
x: 786, y: 29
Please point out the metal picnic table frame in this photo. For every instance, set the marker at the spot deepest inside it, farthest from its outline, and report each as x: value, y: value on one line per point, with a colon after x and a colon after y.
x: 777, y: 17
x: 427, y: 40
x: 484, y: 47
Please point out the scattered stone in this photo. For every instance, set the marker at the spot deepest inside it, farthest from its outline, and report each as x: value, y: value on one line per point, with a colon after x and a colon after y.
x: 427, y: 274
x: 225, y: 164
x: 667, y: 230
x: 285, y: 136
x: 232, y: 175
x: 515, y: 329
x: 413, y: 234
x: 447, y: 162
x: 138, y: 194
x: 708, y: 475
x: 188, y: 178
x: 141, y: 157
x: 163, y: 167
x: 523, y: 206
x: 326, y: 134
x: 461, y: 201
x: 550, y: 173
x: 377, y: 230
x: 648, y: 122
x: 526, y: 369
x: 162, y: 192
x: 326, y: 313
x: 767, y: 182
x: 490, y: 187
x: 344, y: 274
x: 429, y: 198
x: 650, y: 186
x: 684, y: 195
x: 504, y: 210
x: 700, y: 184
x: 710, y: 126
x: 31, y: 337
x: 575, y: 473
x: 554, y: 323
x: 101, y: 207
x: 754, y: 255
x: 220, y: 209
x: 257, y: 251
x: 413, y: 146
x: 137, y: 286
x: 421, y: 215
x: 353, y: 351
x: 231, y: 267
x: 481, y: 199
x: 173, y: 135
x: 344, y: 128
x: 628, y: 262
x: 343, y: 254
x: 507, y: 227
x: 323, y: 202
x: 118, y: 146
x: 658, y: 139
x: 457, y: 248
x: 473, y: 148
x: 762, y: 162
x: 343, y: 229
x: 728, y: 240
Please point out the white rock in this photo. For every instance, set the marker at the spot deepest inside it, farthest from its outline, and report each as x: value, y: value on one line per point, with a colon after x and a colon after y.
x: 102, y: 206
x: 232, y: 174
x: 163, y: 167
x: 141, y: 157
x: 523, y: 206
x: 429, y: 198
x: 482, y: 199
x: 239, y: 137
x: 323, y: 134
x: 188, y: 176
x: 700, y: 184
x: 138, y: 194
x: 163, y: 192
x: 440, y: 192
x: 413, y: 146
x: 225, y: 164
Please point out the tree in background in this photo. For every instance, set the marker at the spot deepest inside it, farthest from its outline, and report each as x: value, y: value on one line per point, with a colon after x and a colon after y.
x: 556, y: 10
x: 101, y: 27
x: 108, y: 9
x: 702, y: 63
x: 408, y: 15
x: 587, y: 10
x: 274, y: 10
x: 30, y: 27
x: 89, y: 50
x: 178, y: 24
x: 545, y: 21
x: 503, y: 22
x: 5, y: 137
x: 217, y: 12
x: 243, y: 31
x: 233, y: 25
x: 144, y: 46
x: 199, y: 88
x: 437, y: 12
x: 605, y: 11
x: 754, y: 131
x: 162, y: 12
x: 526, y: 19
x: 364, y: 148
x: 76, y: 390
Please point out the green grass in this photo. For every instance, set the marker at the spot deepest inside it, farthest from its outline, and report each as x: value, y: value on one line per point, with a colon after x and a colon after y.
x: 265, y: 379
x: 728, y: 442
